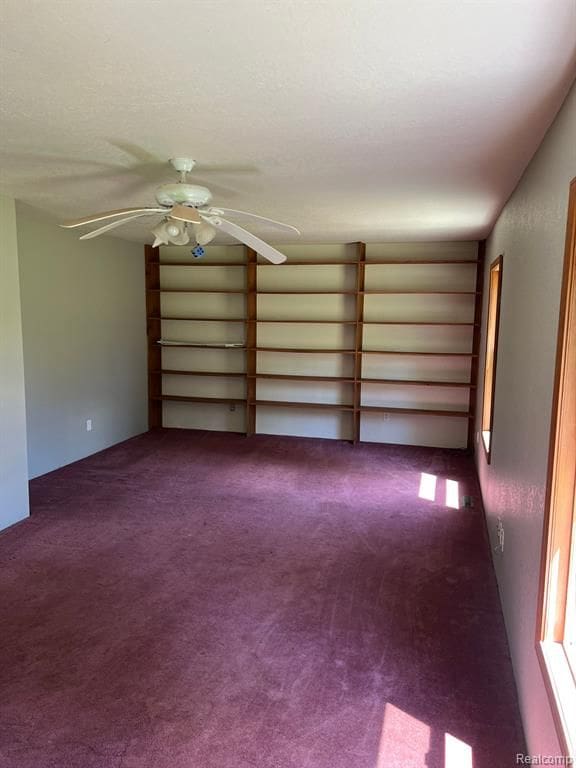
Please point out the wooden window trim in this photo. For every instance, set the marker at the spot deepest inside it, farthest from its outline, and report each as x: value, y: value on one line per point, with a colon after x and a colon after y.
x: 559, y: 516
x: 495, y: 267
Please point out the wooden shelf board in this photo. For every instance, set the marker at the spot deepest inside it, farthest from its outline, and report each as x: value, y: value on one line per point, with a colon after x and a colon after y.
x: 417, y: 411
x: 412, y: 382
x: 317, y: 351
x: 306, y: 293
x: 415, y: 322
x: 202, y: 319
x: 322, y: 406
x: 314, y: 293
x: 306, y: 351
x: 220, y: 374
x: 404, y: 352
x: 298, y: 377
x: 197, y: 346
x: 307, y: 322
x: 384, y: 292
x: 300, y: 263
x: 380, y: 262
x: 196, y: 290
x: 199, y: 263
x: 190, y: 399
x: 296, y: 404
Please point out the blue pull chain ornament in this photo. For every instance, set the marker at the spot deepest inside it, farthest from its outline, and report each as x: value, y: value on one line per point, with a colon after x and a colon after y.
x: 198, y: 252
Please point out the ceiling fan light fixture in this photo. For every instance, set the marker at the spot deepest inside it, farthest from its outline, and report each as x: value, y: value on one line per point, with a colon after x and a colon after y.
x: 172, y: 229
x: 160, y: 236
x: 183, y: 206
x: 182, y: 239
x: 170, y: 233
x: 204, y: 233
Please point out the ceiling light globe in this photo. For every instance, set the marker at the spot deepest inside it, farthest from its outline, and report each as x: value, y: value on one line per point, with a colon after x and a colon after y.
x: 172, y: 230
x: 204, y: 234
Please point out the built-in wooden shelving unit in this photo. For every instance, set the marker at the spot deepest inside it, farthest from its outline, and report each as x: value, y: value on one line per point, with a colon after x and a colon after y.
x: 364, y: 345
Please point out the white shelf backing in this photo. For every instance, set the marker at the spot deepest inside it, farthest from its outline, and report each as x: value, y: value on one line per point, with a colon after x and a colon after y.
x: 416, y: 368
x: 305, y: 364
x: 204, y: 278
x: 297, y: 307
x: 415, y: 338
x: 214, y: 254
x: 414, y: 429
x: 305, y: 422
x: 197, y: 359
x: 203, y: 305
x: 423, y: 277
x: 421, y: 251
x: 308, y: 278
x: 446, y: 308
x: 208, y: 332
x: 203, y: 386
x: 425, y: 397
x: 306, y: 336
x: 212, y: 416
x: 333, y: 392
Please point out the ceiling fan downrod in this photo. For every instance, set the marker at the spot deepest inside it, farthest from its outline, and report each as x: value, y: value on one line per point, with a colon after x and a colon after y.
x: 182, y: 166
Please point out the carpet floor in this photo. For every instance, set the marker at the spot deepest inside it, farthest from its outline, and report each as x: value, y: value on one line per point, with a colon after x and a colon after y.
x: 200, y: 600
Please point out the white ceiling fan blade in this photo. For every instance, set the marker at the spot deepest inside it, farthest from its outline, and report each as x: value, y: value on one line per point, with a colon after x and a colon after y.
x: 109, y: 215
x: 184, y: 213
x: 279, y: 224
x: 248, y: 239
x: 113, y: 225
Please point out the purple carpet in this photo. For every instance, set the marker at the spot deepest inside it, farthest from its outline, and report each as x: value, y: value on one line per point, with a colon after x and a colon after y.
x: 202, y: 600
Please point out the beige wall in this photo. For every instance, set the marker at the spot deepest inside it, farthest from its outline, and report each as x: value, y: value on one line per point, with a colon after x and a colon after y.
x: 530, y: 233
x: 83, y: 320
x: 13, y: 461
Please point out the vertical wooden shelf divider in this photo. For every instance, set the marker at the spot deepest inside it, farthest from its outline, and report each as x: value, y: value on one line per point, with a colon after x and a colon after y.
x: 251, y: 338
x: 153, y: 332
x: 476, y: 343
x: 358, y: 338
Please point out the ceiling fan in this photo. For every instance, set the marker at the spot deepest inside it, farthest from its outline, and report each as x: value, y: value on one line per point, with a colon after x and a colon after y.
x: 185, y: 209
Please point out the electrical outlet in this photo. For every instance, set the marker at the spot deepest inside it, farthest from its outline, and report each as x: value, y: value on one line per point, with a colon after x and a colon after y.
x: 500, y: 535
x: 88, y: 425
x: 385, y: 417
x: 232, y: 407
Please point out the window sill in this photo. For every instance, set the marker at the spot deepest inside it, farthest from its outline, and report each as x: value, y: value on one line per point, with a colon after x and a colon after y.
x: 561, y: 691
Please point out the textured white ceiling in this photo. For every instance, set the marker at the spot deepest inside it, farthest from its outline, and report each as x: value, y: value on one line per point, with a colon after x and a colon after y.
x: 358, y: 119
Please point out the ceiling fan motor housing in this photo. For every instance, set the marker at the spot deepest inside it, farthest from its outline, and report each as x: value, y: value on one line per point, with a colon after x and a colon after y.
x: 192, y: 195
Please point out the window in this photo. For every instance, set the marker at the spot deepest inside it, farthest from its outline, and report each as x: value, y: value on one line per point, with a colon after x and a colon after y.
x: 556, y: 630
x: 494, y: 291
